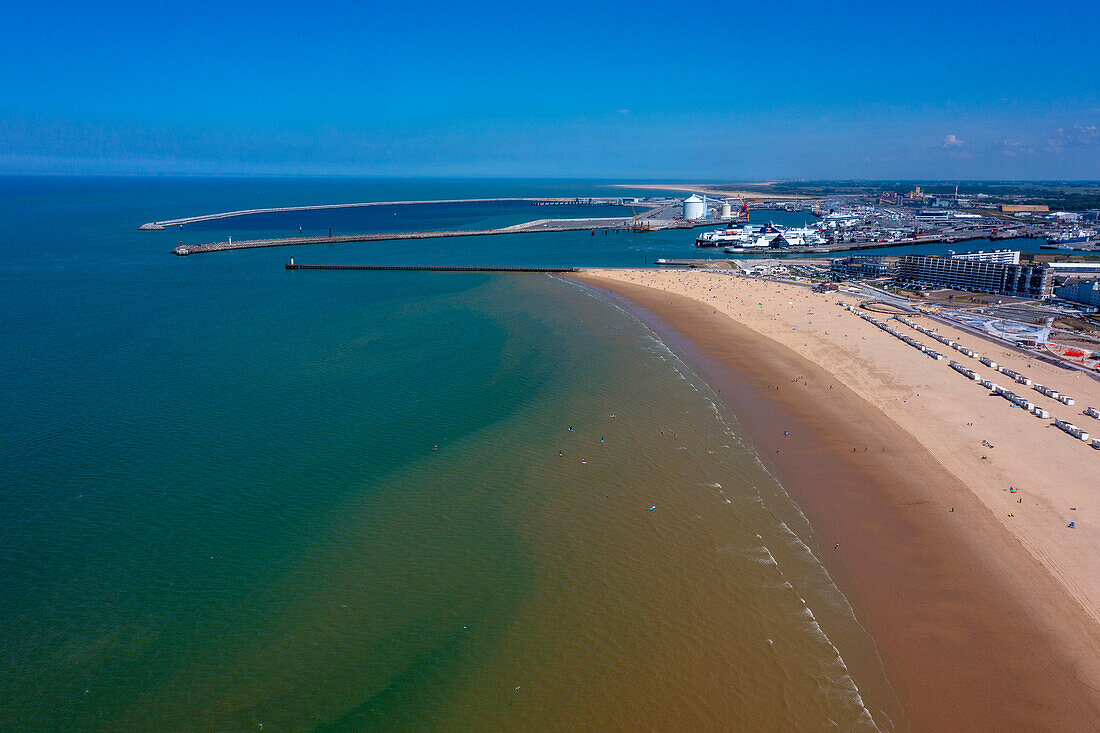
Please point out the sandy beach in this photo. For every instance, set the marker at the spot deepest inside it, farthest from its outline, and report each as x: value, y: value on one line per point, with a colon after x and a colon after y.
x: 720, y: 190
x: 940, y: 510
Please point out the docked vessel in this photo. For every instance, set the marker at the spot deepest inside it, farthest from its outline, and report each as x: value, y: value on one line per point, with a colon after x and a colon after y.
x: 749, y: 237
x: 1088, y: 245
x: 1074, y: 236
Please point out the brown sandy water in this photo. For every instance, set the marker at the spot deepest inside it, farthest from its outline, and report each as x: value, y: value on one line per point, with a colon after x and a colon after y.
x: 972, y: 631
x: 672, y: 587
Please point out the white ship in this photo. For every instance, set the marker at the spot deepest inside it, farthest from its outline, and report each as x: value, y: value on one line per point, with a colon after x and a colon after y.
x: 749, y: 237
x: 1074, y: 236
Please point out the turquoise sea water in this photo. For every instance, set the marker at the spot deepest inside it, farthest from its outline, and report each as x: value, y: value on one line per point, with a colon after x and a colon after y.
x: 221, y: 503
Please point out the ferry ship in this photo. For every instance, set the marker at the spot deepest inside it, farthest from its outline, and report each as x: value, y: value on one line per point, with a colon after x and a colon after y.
x: 730, y: 235
x: 750, y: 237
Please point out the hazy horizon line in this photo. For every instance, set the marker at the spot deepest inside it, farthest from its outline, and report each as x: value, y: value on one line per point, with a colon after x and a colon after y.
x: 474, y: 177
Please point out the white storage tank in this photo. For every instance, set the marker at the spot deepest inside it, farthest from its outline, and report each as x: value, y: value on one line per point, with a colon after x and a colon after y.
x: 727, y: 210
x: 694, y: 208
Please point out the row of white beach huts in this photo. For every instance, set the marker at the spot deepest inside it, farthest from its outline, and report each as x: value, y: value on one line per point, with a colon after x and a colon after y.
x: 1016, y: 376
x: 897, y: 334
x: 1015, y: 399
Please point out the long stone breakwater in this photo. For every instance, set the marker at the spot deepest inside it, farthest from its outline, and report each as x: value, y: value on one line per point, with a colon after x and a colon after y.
x: 158, y: 225
x: 539, y: 225
x: 432, y: 268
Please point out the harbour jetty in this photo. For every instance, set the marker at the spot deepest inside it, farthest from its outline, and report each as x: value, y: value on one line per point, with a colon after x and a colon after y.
x: 159, y: 225
x: 431, y: 268
x: 539, y: 225
x: 614, y: 225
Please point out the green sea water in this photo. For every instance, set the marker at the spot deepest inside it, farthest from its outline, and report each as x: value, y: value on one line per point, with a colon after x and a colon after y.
x: 237, y: 498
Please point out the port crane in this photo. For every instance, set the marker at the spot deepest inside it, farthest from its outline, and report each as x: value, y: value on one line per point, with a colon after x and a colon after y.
x: 744, y: 207
x: 638, y: 226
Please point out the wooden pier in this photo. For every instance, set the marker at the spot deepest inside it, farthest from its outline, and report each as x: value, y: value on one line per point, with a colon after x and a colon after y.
x: 430, y: 268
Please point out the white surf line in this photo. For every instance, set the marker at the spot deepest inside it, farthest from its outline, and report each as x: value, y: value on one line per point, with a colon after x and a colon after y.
x: 711, y: 396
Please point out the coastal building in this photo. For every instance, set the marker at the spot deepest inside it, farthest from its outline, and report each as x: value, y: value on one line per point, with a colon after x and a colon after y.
x: 1081, y: 291
x: 858, y: 266
x: 1028, y: 281
x: 1004, y: 256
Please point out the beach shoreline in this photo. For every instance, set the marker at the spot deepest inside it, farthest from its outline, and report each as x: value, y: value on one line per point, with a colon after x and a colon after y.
x: 973, y: 627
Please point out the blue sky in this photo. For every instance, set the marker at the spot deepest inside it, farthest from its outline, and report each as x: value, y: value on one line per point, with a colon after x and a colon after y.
x: 572, y: 89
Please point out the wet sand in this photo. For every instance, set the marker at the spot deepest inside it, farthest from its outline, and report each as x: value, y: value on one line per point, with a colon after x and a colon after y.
x: 974, y: 631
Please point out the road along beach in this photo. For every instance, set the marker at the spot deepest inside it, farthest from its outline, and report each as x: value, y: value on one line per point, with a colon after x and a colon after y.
x: 941, y: 510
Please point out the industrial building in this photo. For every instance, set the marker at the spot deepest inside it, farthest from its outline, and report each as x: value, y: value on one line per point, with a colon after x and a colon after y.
x: 1091, y: 269
x: 1028, y: 281
x: 858, y: 266
x: 1082, y: 291
x: 1024, y: 208
x: 927, y: 216
x: 694, y: 208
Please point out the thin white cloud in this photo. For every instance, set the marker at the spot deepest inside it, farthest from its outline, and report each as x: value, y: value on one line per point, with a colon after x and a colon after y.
x: 952, y: 142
